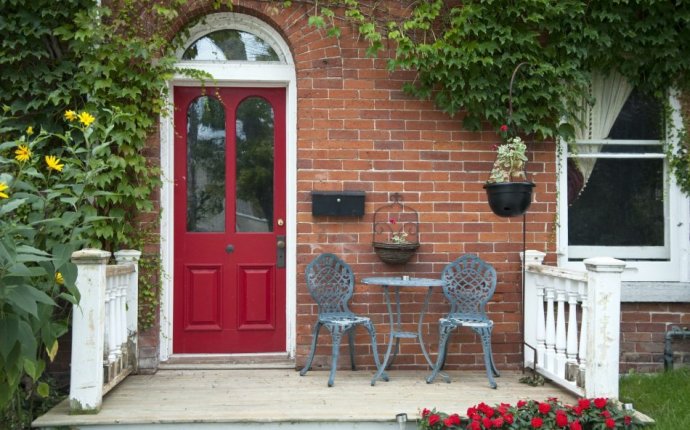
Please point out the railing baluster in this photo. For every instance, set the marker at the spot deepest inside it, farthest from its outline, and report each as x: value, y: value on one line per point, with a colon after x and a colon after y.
x: 582, y: 353
x: 541, y: 324
x: 571, y: 348
x: 560, y: 328
x: 550, y: 363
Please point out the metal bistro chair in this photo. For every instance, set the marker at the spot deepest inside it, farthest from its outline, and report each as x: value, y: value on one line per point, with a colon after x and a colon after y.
x: 331, y: 282
x: 468, y: 284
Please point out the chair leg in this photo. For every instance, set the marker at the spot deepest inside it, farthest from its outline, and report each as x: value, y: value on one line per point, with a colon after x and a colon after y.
x: 336, y: 335
x: 351, y: 340
x: 444, y: 334
x: 485, y: 334
x: 380, y: 373
x: 310, y: 359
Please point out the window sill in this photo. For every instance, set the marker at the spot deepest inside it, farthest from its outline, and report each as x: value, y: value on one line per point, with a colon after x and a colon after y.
x: 659, y: 292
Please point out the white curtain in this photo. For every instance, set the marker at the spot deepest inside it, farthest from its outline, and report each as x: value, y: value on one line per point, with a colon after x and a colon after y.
x: 610, y: 93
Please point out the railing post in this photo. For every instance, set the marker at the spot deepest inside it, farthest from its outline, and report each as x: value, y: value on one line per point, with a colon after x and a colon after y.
x: 603, y: 326
x: 132, y: 301
x: 531, y: 306
x: 86, y: 380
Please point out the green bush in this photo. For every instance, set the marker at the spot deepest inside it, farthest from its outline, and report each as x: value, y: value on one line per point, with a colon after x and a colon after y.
x: 49, y: 186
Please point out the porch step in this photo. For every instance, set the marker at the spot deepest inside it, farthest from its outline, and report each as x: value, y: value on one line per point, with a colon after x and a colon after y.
x: 227, y: 362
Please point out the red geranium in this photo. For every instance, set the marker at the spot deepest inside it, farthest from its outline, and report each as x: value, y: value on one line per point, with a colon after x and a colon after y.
x: 537, y: 422
x: 433, y: 419
x: 561, y: 419
x: 610, y: 423
x: 453, y: 420
x: 544, y: 408
x: 575, y: 425
x: 583, y: 403
x: 600, y: 402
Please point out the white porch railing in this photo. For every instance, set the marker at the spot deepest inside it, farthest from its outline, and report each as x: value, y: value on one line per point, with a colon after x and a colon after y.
x: 572, y: 324
x: 104, y: 325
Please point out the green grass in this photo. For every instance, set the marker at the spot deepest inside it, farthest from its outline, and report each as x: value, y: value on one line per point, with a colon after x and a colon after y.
x: 665, y: 397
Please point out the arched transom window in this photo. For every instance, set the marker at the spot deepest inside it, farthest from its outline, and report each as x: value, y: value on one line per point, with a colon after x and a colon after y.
x: 233, y: 37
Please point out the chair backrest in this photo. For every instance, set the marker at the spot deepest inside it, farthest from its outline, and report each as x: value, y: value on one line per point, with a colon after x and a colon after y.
x: 469, y: 283
x: 331, y: 283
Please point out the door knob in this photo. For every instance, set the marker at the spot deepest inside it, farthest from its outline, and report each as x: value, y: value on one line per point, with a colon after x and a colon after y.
x: 281, y: 244
x: 229, y: 249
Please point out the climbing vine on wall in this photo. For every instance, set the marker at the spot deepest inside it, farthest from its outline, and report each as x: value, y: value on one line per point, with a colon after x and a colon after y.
x: 73, y: 55
x: 464, y: 54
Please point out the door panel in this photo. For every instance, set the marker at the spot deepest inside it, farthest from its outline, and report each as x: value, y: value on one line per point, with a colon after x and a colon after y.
x: 229, y: 294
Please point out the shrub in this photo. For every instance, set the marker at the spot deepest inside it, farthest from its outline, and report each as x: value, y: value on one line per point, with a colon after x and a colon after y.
x: 49, y: 185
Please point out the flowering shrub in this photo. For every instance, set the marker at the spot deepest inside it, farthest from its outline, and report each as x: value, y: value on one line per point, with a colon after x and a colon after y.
x: 588, y: 414
x: 49, y: 187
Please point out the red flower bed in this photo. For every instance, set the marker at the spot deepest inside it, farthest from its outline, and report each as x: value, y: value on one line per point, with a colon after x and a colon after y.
x: 588, y: 414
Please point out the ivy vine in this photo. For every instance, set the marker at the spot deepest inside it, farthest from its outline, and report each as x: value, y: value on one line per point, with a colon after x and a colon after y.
x: 464, y: 54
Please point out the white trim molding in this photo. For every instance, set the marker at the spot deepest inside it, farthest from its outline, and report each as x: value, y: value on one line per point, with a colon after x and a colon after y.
x: 232, y: 73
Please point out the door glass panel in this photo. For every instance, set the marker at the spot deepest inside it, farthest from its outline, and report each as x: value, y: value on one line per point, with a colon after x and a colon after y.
x: 230, y: 45
x: 254, y: 140
x: 206, y: 165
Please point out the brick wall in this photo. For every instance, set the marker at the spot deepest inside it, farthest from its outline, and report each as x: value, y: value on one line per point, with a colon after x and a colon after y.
x: 643, y: 329
x: 357, y: 130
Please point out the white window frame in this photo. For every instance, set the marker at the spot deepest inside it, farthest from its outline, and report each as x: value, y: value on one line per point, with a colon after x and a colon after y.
x: 676, y: 213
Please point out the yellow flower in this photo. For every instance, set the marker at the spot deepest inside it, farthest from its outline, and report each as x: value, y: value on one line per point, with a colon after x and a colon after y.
x: 23, y: 153
x: 86, y: 118
x: 70, y: 115
x: 29, y: 130
x: 3, y: 187
x: 54, y: 163
x: 59, y: 279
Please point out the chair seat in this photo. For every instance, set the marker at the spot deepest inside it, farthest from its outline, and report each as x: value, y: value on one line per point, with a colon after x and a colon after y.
x: 467, y: 321
x: 342, y: 320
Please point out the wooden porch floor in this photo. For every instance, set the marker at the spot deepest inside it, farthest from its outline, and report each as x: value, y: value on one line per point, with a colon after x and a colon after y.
x: 282, y: 396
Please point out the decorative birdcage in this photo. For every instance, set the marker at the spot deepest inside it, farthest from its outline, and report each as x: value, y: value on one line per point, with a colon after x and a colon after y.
x: 396, y: 231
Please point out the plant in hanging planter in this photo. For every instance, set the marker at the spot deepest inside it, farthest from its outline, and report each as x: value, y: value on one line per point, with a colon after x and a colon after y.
x: 399, y: 236
x: 507, y: 188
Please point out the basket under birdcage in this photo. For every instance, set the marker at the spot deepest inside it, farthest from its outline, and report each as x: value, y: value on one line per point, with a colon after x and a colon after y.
x: 395, y: 253
x: 395, y: 231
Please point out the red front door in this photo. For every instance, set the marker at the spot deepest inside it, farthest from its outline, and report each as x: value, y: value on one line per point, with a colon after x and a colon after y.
x: 229, y: 275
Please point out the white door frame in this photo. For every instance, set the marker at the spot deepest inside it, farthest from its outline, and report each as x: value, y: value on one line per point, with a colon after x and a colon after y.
x: 239, y: 74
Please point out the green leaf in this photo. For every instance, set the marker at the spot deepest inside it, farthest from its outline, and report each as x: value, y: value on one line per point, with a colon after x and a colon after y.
x: 43, y: 389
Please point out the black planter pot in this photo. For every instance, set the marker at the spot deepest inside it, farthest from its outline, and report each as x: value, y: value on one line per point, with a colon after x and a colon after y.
x: 508, y: 199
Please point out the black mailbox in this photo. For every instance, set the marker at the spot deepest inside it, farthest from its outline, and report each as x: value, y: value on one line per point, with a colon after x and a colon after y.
x: 342, y: 203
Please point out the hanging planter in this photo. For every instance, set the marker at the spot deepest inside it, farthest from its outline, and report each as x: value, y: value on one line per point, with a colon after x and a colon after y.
x: 508, y: 191
x: 395, y: 253
x: 508, y: 199
x: 396, y: 232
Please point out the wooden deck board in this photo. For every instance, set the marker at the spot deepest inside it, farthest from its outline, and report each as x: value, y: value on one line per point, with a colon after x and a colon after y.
x: 280, y: 395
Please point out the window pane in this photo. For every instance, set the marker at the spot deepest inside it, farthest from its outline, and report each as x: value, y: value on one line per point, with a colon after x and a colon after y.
x: 631, y: 149
x: 206, y: 165
x: 228, y: 45
x: 621, y: 205
x: 254, y: 165
x: 640, y: 119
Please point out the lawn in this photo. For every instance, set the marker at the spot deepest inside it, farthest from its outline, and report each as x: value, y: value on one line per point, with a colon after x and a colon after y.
x: 665, y: 397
